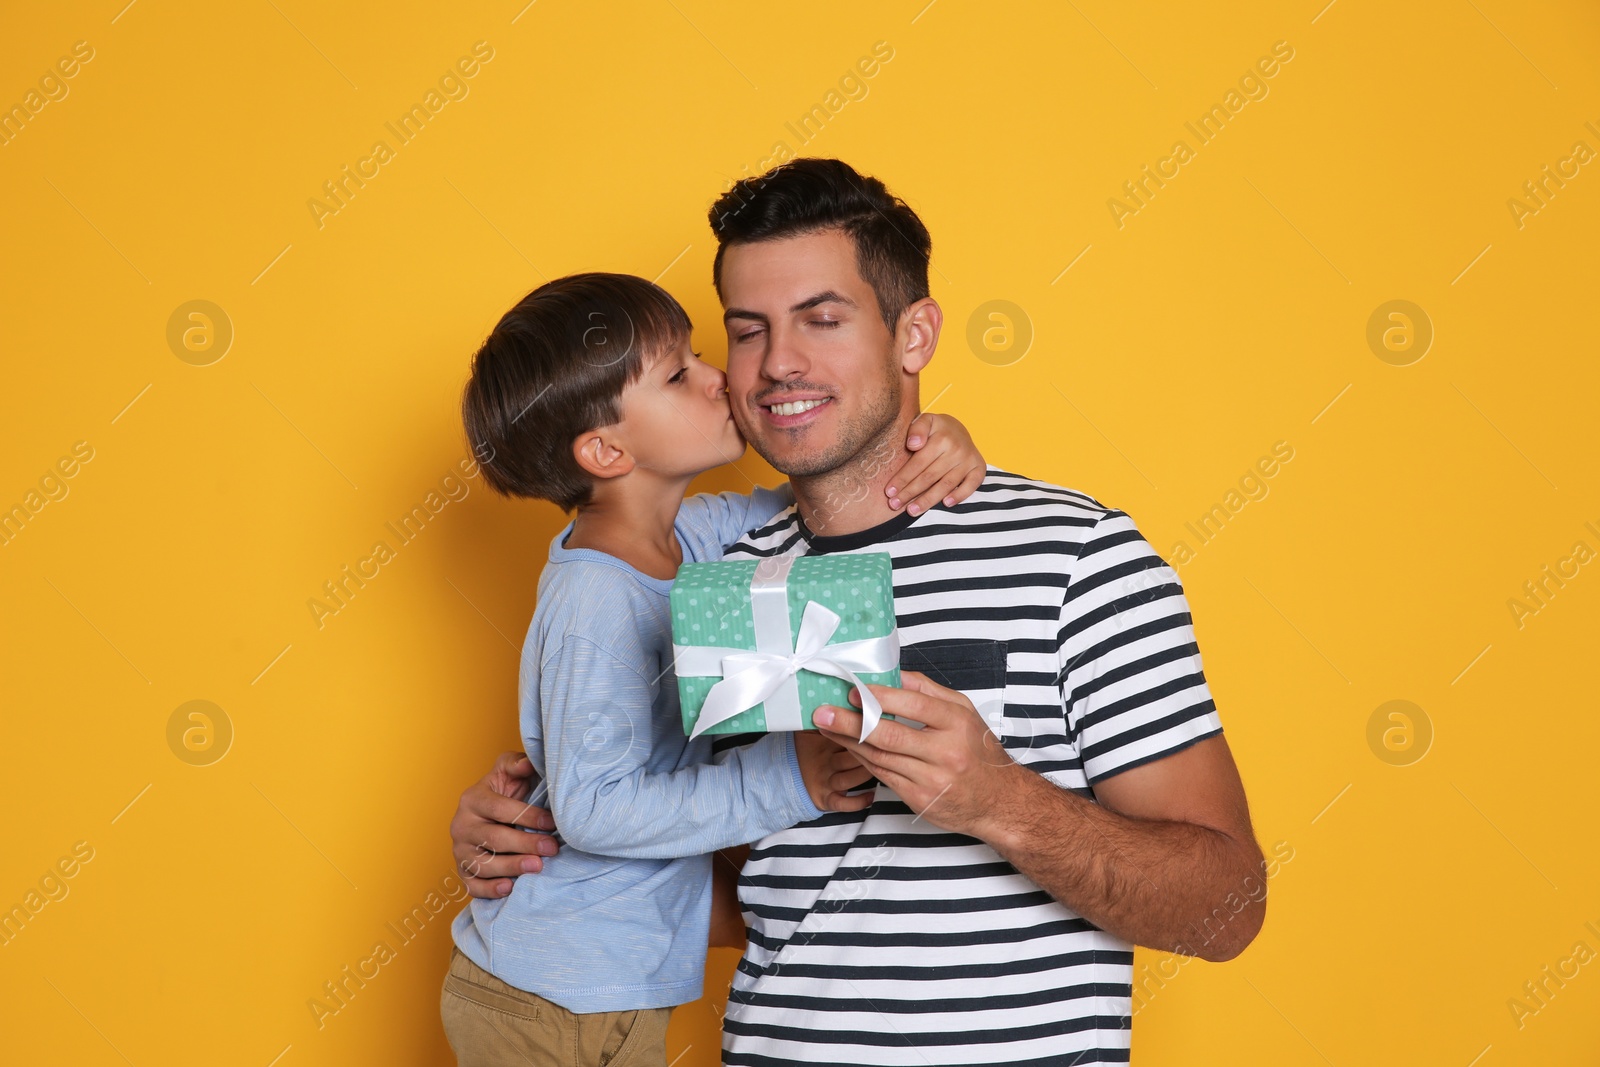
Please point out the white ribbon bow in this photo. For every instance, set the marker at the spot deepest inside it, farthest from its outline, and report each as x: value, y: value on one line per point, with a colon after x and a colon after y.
x: 767, y: 675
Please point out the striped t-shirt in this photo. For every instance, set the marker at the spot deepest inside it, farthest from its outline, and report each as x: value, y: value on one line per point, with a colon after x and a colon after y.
x: 876, y: 938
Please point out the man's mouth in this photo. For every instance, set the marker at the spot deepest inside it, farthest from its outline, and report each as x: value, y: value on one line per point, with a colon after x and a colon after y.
x: 795, y: 412
x: 795, y: 407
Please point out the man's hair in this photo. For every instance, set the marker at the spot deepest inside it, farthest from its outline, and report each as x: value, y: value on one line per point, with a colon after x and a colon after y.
x: 555, y: 367
x: 805, y: 196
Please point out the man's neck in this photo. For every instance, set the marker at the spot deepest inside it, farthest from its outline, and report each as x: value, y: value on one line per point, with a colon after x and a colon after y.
x: 851, y: 498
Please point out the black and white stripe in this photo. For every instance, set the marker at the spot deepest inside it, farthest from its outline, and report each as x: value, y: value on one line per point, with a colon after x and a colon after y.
x: 875, y: 938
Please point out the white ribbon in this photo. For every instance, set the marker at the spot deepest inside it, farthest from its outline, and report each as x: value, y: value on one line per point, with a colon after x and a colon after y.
x: 767, y: 675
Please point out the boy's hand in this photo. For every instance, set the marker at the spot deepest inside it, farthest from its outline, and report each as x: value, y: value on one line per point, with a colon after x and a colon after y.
x: 944, y: 467
x: 490, y: 850
x: 829, y: 771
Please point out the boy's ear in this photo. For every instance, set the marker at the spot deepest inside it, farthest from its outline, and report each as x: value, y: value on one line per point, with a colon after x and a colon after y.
x: 918, y: 334
x: 600, y: 455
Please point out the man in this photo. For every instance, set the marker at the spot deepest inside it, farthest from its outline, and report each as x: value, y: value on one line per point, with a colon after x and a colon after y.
x: 1068, y: 793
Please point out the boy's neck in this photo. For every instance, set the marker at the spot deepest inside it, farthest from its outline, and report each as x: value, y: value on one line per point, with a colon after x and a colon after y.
x: 634, y: 524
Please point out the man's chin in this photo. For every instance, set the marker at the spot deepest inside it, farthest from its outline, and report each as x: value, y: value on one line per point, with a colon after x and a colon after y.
x: 795, y: 462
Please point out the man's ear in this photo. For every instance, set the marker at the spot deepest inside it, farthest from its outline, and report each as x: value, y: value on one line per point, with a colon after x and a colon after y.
x: 600, y: 454
x: 918, y: 334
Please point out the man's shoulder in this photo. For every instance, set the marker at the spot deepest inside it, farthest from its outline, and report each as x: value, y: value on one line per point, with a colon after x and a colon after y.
x: 1009, y: 505
x: 1003, y: 489
x: 774, y: 537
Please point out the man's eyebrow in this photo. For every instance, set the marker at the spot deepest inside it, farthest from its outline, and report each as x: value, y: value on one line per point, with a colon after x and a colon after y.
x: 827, y: 296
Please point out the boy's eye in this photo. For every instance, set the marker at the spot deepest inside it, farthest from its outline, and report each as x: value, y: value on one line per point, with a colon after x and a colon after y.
x: 680, y: 375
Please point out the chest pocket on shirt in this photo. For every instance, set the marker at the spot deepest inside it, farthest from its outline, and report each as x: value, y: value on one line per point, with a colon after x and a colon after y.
x: 975, y: 667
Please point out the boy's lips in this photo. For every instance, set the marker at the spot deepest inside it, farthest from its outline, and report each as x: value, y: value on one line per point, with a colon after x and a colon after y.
x: 795, y: 410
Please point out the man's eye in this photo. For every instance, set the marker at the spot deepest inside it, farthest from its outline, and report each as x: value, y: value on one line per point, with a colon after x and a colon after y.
x: 743, y: 337
x: 828, y: 323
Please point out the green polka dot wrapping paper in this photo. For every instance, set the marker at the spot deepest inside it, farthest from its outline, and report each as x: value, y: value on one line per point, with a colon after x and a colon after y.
x: 790, y: 630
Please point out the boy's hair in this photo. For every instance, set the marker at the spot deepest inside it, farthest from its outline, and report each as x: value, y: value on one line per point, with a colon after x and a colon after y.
x: 805, y: 196
x: 555, y: 367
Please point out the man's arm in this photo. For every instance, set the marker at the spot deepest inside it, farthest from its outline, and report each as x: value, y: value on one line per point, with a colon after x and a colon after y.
x: 727, y: 921
x: 489, y: 848
x: 1167, y: 859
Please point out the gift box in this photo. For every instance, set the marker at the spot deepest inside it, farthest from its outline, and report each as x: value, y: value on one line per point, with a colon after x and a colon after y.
x: 760, y: 644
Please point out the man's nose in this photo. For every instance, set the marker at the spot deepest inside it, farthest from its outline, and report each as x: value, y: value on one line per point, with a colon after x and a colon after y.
x: 785, y: 357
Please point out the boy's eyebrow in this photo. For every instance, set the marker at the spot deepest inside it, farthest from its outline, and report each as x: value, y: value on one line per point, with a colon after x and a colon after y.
x: 827, y: 296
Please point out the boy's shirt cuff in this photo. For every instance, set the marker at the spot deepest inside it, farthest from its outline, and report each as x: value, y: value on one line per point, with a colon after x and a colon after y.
x: 807, y: 807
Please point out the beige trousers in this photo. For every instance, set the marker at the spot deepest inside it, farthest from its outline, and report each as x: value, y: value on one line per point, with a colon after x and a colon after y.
x: 492, y: 1024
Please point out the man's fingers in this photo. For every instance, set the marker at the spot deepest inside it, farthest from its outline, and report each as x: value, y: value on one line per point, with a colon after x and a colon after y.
x: 845, y: 729
x: 494, y: 837
x: 512, y: 776
x: 488, y: 866
x: 917, y: 698
x: 899, y: 748
x: 491, y: 806
x: 921, y: 698
x: 485, y: 889
x: 513, y: 764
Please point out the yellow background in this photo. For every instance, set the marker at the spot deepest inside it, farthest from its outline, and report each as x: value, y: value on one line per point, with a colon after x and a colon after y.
x: 1228, y: 314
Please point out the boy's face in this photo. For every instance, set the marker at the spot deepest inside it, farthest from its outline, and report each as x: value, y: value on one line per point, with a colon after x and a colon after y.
x: 803, y: 326
x: 675, y: 416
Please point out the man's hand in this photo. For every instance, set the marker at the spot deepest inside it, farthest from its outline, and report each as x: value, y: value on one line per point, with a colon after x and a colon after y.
x: 949, y: 771
x: 1162, y: 851
x: 490, y: 851
x: 829, y: 772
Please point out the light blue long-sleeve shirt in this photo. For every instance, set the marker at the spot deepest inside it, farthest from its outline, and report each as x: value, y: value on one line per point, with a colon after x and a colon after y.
x: 618, y: 919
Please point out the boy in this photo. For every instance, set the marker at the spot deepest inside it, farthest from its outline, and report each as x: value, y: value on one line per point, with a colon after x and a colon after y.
x: 587, y: 394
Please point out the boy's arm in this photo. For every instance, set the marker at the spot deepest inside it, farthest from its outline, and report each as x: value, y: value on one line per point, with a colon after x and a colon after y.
x: 713, y: 521
x: 597, y: 717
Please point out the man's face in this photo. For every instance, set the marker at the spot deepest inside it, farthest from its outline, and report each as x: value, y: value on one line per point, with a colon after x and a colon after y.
x: 813, y: 374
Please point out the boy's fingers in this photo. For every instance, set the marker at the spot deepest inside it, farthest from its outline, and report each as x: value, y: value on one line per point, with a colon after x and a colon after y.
x: 936, y: 493
x: 921, y: 430
x: 844, y: 781
x: 906, y: 481
x: 968, y: 486
x: 840, y: 802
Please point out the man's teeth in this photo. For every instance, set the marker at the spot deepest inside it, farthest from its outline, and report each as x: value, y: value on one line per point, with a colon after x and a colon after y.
x: 795, y: 408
